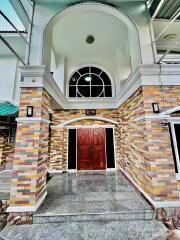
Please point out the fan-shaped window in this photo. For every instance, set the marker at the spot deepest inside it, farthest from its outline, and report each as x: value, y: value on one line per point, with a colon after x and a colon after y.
x: 90, y: 82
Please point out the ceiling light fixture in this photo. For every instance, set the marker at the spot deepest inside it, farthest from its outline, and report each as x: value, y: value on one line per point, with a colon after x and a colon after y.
x: 90, y: 39
x: 87, y: 79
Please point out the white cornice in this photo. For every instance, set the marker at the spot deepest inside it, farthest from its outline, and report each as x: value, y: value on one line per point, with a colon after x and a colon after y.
x: 39, y: 76
x: 171, y: 110
x: 154, y: 69
x: 149, y: 69
x: 32, y: 71
x: 145, y: 75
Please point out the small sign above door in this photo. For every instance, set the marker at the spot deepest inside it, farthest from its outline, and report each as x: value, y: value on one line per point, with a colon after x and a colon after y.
x: 90, y: 112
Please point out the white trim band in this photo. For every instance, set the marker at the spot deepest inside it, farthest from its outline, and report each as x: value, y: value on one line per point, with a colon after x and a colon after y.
x: 171, y: 110
x: 157, y: 117
x: 17, y: 209
x: 33, y: 119
x: 161, y: 116
x: 89, y: 126
x: 156, y: 204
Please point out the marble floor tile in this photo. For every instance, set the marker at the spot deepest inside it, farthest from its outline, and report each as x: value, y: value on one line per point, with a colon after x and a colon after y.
x: 131, y: 230
x: 91, y: 192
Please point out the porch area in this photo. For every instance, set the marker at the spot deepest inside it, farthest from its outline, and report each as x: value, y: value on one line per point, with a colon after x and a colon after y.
x: 90, y: 205
x: 93, y: 192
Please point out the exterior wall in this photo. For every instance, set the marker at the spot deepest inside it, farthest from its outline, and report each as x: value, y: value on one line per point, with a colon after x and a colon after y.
x: 143, y: 148
x: 131, y: 140
x: 167, y: 97
x: 10, y: 78
x: 147, y: 154
x: 158, y: 144
x: 31, y: 150
x: 6, y: 150
x: 59, y: 136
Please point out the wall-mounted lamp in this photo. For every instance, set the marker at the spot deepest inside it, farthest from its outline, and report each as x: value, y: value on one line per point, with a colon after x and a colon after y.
x: 29, y: 111
x: 156, y: 108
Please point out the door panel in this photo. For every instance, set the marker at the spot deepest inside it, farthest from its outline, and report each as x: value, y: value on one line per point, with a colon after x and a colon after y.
x: 91, y: 149
x: 110, y: 148
x: 72, y: 149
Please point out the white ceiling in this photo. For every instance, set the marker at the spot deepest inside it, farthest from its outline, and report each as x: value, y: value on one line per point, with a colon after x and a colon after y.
x: 16, y: 42
x: 165, y: 43
x: 111, y: 36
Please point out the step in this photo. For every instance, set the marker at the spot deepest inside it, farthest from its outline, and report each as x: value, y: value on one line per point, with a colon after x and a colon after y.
x: 91, y: 217
x: 110, y: 230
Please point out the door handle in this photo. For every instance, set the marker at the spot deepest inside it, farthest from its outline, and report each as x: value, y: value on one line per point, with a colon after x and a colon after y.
x: 91, y: 151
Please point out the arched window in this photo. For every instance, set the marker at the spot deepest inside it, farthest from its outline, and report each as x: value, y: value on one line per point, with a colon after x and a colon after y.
x: 90, y: 82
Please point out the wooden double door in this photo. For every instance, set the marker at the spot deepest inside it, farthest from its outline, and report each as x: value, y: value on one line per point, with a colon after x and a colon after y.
x: 91, y: 154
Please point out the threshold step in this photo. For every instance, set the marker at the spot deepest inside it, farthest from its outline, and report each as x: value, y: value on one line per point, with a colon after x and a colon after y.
x: 114, y: 230
x: 91, y: 217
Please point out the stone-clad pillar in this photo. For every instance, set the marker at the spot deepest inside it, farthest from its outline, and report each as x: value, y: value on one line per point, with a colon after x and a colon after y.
x: 28, y: 186
x: 2, y: 149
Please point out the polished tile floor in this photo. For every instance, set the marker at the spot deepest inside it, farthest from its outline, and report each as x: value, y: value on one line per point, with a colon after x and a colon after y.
x: 91, y: 192
x: 90, y: 205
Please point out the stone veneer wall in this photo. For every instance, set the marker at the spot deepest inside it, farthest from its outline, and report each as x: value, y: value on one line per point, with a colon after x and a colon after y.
x: 130, y: 141
x: 6, y: 151
x: 143, y: 148
x: 31, y: 150
x: 158, y: 145
x: 146, y: 153
x: 59, y: 136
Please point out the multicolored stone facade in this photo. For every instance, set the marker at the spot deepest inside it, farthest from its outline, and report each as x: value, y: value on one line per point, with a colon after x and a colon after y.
x: 31, y: 151
x: 59, y: 136
x: 143, y: 148
x: 158, y: 150
x: 146, y: 153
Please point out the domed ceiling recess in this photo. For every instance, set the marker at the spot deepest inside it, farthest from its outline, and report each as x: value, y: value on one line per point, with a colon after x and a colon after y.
x: 90, y: 37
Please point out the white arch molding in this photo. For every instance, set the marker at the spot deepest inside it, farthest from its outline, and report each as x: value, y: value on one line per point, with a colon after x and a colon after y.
x: 170, y: 111
x: 66, y: 123
x: 94, y: 6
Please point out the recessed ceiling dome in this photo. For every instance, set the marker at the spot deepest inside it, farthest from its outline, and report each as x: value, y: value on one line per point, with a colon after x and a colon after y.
x: 88, y: 34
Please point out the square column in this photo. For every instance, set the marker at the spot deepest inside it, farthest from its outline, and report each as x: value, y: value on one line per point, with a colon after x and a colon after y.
x: 28, y: 186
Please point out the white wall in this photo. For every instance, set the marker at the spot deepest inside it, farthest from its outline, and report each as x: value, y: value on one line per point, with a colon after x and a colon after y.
x: 137, y: 12
x: 59, y: 73
x: 9, y: 91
